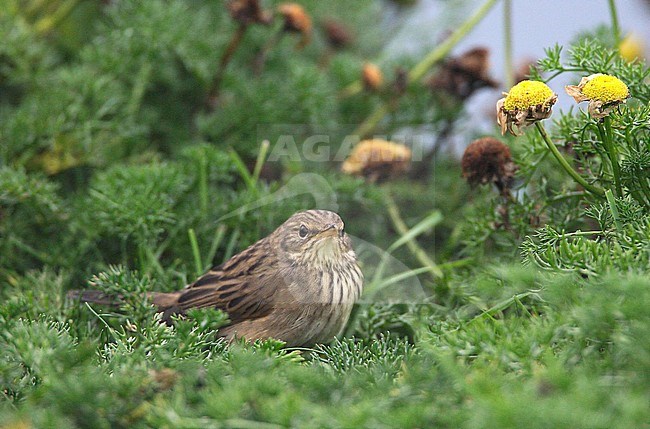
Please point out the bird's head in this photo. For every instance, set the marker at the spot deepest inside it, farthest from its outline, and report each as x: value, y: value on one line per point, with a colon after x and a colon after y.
x: 313, y: 237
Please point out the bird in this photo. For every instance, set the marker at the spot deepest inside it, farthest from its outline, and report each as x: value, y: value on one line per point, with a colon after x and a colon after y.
x: 297, y: 285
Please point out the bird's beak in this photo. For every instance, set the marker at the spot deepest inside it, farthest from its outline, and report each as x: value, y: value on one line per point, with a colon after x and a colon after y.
x: 330, y: 231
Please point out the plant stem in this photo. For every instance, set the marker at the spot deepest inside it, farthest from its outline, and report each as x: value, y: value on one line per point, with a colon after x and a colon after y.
x: 445, y: 47
x: 507, y: 42
x: 142, y: 257
x: 418, y: 71
x: 413, y: 246
x: 645, y: 189
x: 607, y: 138
x: 638, y: 196
x: 51, y: 21
x: 259, y: 162
x: 260, y: 59
x: 437, y: 54
x: 218, y: 238
x: 612, y: 207
x: 196, y: 254
x: 614, y: 17
x: 203, y: 186
x: 369, y: 124
x: 236, y: 39
x: 564, y: 163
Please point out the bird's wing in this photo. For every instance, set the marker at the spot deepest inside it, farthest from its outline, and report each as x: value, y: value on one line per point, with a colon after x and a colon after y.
x: 245, y: 287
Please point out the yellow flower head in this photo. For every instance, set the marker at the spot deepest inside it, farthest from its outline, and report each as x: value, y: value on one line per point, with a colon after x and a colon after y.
x: 605, y: 88
x: 631, y: 48
x: 527, y: 102
x: 604, y: 93
x: 527, y: 93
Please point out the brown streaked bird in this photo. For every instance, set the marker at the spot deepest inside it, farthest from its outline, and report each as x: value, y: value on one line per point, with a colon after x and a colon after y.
x: 297, y: 285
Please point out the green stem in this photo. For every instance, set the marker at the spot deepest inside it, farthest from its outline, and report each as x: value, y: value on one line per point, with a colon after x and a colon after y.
x: 614, y: 17
x: 203, y: 186
x: 142, y: 257
x: 445, y: 47
x: 581, y: 233
x: 139, y: 89
x: 563, y: 162
x: 419, y: 70
x: 259, y: 162
x: 198, y: 265
x: 43, y: 257
x: 51, y: 21
x: 562, y: 71
x: 216, y: 242
x: 34, y: 8
x: 413, y: 246
x: 507, y: 42
x: 440, y: 52
x: 644, y: 187
x: 369, y: 124
x: 612, y: 206
x: 640, y: 196
x: 607, y: 138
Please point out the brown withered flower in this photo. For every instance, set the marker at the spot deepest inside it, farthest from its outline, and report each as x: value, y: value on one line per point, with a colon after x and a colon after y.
x: 296, y: 20
x: 463, y: 75
x: 248, y: 12
x: 527, y: 102
x: 522, y: 71
x: 338, y: 36
x: 487, y: 160
x: 377, y: 160
x: 372, y: 77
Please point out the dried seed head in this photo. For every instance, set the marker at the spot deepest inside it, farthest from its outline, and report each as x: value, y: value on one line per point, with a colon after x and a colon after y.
x: 461, y: 76
x: 487, y: 160
x: 296, y: 20
x: 475, y: 61
x: 602, y: 91
x: 337, y: 34
x: 522, y: 72
x: 377, y: 160
x: 527, y: 102
x: 372, y: 77
x: 248, y: 12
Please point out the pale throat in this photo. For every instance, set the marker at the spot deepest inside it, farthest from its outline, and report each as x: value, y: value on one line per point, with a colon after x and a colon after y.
x: 328, y: 251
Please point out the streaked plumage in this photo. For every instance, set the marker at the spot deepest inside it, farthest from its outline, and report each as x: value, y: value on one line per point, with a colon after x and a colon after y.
x: 298, y: 284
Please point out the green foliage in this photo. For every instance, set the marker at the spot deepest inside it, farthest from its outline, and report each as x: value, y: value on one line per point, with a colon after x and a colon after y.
x: 626, y: 252
x: 383, y: 355
x: 136, y: 201
x: 119, y: 173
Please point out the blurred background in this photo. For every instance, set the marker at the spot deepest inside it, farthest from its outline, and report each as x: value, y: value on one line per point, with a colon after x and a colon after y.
x: 536, y: 25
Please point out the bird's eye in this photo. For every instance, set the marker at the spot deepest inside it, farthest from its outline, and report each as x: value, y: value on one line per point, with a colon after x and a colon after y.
x: 342, y: 232
x: 303, y: 231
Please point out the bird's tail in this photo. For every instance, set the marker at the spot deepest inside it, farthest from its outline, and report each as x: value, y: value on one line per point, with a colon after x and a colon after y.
x: 165, y: 302
x: 94, y: 297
